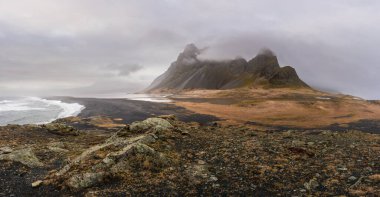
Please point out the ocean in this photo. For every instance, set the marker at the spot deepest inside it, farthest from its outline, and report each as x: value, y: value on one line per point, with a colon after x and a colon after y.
x: 34, y: 110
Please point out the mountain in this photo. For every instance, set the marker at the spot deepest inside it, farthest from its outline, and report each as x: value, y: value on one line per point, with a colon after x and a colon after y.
x: 189, y: 72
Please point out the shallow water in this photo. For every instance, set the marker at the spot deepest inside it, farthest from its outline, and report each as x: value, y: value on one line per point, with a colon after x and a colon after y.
x: 158, y: 98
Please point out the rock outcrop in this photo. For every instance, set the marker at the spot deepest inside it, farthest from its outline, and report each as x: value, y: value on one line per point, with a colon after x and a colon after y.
x: 121, y: 155
x: 25, y: 156
x: 189, y: 72
x: 61, y: 129
x: 209, y: 160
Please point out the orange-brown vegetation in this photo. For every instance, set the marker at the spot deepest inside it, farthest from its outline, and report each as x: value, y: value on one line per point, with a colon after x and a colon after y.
x: 304, y: 108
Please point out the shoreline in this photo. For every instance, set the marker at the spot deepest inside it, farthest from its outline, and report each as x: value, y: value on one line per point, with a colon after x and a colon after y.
x: 190, y: 108
x: 127, y: 111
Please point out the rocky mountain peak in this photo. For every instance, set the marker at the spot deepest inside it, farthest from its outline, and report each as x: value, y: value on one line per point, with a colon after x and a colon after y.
x: 188, y: 72
x: 264, y: 64
x: 189, y: 54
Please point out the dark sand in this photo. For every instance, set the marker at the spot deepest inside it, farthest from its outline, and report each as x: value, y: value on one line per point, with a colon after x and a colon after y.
x: 131, y: 110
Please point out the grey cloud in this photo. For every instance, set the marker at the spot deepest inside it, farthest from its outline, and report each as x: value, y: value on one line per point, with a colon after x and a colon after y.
x: 55, y: 47
x: 124, y: 69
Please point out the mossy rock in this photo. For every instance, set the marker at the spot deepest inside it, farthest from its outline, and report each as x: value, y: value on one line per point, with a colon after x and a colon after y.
x: 154, y: 124
x: 61, y: 129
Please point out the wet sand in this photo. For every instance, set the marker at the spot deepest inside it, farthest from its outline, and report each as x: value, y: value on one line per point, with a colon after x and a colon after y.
x: 131, y: 110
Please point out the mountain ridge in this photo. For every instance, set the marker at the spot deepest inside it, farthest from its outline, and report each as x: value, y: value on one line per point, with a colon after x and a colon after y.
x: 189, y: 72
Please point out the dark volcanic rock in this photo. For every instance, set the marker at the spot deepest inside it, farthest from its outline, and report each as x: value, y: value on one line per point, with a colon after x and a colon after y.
x: 61, y: 129
x: 186, y: 159
x: 265, y: 64
x: 286, y: 76
x: 188, y: 72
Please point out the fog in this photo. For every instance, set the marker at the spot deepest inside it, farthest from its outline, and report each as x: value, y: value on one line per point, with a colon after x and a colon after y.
x: 88, y: 47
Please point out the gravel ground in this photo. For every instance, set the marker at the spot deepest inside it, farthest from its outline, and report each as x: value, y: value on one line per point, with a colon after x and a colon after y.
x: 202, y: 160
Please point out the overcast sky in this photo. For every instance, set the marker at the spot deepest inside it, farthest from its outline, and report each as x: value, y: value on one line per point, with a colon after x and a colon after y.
x: 86, y: 47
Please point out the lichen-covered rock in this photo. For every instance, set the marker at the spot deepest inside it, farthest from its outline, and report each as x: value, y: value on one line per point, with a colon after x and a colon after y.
x: 58, y: 147
x: 5, y: 150
x: 57, y: 144
x: 140, y: 157
x: 117, y: 163
x: 121, y: 156
x: 123, y: 132
x: 61, y: 129
x: 154, y: 124
x: 86, y: 180
x: 149, y: 139
x: 198, y: 173
x: 24, y: 156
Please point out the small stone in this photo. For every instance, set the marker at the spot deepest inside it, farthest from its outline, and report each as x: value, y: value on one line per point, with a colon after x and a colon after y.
x: 57, y: 149
x: 185, y: 132
x: 327, y: 132
x: 37, y: 183
x: 215, y: 185
x: 201, y: 162
x: 352, y: 178
x: 298, y: 143
x: 342, y: 169
x: 310, y: 143
x: 311, y: 185
x: 213, y: 178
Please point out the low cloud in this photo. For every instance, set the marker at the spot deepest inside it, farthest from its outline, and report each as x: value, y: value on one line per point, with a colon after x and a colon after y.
x: 124, y: 69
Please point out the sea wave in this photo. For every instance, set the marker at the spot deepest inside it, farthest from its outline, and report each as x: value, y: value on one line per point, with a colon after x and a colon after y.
x: 34, y: 110
x: 68, y: 109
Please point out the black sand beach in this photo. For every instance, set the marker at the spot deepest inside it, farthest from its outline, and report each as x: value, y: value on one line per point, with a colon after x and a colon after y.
x: 131, y: 110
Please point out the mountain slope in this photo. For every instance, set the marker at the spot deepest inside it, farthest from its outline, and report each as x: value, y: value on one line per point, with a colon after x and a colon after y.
x: 188, y: 72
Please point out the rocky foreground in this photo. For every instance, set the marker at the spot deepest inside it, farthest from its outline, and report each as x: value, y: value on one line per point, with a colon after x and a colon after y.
x: 163, y: 156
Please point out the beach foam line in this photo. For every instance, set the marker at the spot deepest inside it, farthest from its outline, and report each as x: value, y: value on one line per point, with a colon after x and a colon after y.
x: 25, y: 104
x: 68, y: 109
